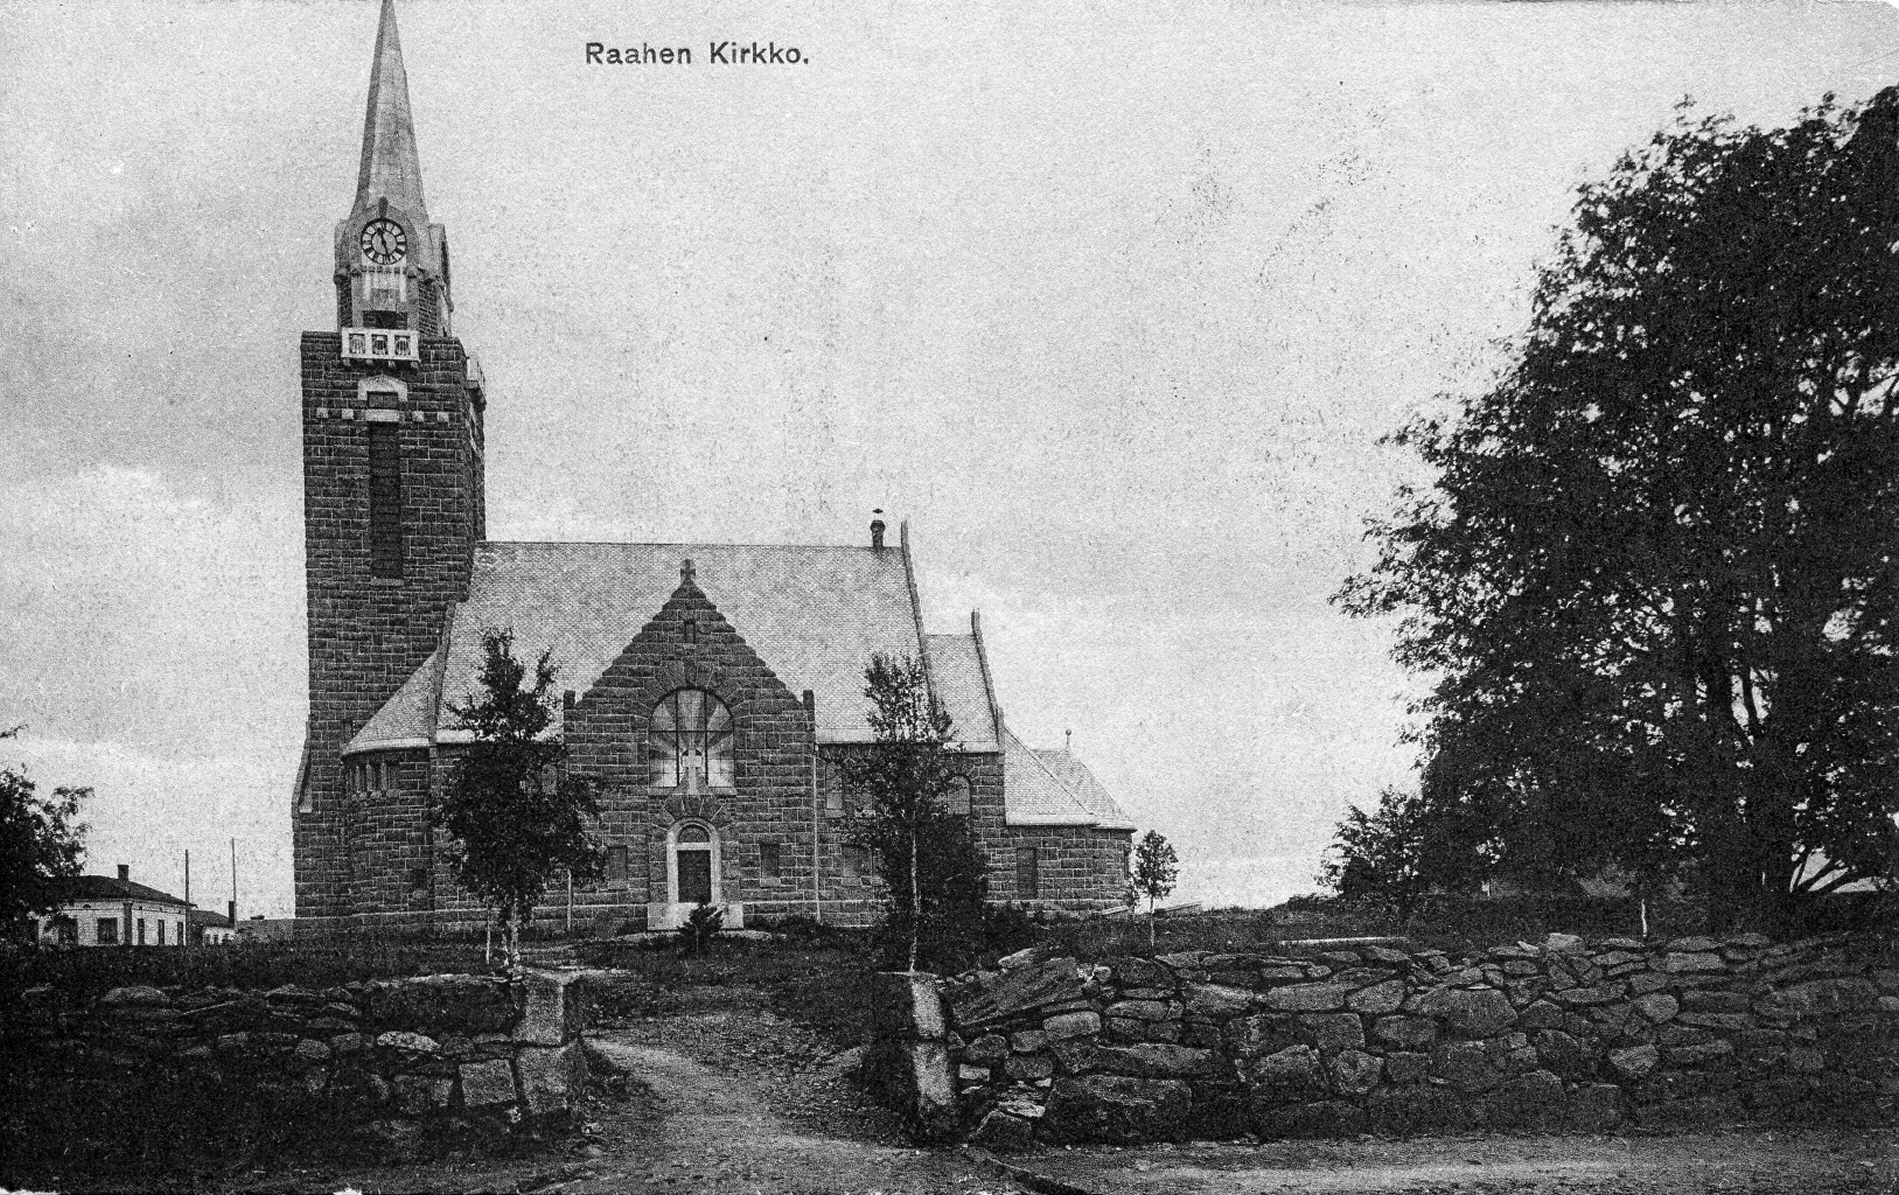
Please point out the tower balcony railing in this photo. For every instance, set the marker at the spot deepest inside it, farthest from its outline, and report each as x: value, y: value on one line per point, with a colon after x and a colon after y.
x: 381, y: 344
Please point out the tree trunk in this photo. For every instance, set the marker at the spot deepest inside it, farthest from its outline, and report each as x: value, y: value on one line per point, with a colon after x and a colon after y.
x: 916, y: 900
x: 1150, y: 922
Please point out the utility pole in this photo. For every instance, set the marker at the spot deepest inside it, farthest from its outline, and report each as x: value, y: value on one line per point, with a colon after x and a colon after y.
x: 187, y: 941
x: 234, y: 885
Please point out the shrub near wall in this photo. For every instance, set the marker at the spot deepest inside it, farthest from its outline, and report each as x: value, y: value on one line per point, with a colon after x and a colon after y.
x: 1562, y: 1036
x: 164, y: 1081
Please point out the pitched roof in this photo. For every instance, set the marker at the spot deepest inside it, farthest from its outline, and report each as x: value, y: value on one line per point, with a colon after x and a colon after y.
x: 1034, y: 795
x: 956, y: 669
x: 815, y: 615
x: 408, y: 718
x: 1087, y: 790
x: 208, y: 918
x: 113, y: 888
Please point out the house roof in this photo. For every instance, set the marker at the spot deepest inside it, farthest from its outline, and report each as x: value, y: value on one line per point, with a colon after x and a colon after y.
x: 209, y: 919
x: 815, y: 615
x: 113, y: 888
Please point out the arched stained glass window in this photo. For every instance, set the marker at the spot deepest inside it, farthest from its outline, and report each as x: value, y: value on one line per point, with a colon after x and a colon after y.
x: 691, y: 732
x: 958, y: 795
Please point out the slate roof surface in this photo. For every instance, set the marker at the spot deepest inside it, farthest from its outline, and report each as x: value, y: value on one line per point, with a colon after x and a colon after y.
x: 815, y: 615
x: 206, y: 917
x: 1086, y: 790
x: 113, y: 888
x: 1034, y: 794
x: 408, y: 718
x: 957, y: 672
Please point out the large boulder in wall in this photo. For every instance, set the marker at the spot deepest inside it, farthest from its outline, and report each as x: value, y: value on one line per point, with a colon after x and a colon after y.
x: 916, y: 1078
x: 1117, y: 1110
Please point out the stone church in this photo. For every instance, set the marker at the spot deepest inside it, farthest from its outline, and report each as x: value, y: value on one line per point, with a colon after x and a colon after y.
x: 709, y: 687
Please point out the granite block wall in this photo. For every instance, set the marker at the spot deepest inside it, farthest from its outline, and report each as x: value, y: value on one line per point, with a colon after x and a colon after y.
x: 397, y: 1069
x: 1559, y: 1036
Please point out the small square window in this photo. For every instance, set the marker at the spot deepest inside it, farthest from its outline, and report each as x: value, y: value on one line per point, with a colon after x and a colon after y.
x: 108, y: 931
x: 418, y: 879
x: 771, y: 863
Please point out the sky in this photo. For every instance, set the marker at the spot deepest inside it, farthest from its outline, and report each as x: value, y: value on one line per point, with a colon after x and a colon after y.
x: 1112, y: 303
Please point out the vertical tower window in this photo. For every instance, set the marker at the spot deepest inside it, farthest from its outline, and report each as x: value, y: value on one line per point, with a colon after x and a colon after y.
x: 771, y: 863
x: 385, y: 500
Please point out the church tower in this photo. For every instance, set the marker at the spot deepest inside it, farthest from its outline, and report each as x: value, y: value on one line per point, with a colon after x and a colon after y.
x: 393, y: 486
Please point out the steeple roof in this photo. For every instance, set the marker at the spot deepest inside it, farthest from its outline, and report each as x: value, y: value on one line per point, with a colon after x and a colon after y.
x: 390, y: 169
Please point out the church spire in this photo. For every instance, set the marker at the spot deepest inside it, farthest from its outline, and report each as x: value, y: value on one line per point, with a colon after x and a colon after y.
x: 390, y: 169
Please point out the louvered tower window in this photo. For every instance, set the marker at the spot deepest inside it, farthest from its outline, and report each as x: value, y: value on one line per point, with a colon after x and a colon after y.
x: 385, y: 500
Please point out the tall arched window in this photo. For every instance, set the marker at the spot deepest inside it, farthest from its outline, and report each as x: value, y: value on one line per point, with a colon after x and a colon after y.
x: 691, y: 732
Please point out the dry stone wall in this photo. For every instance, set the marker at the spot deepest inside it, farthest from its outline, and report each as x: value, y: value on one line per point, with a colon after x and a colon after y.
x: 1560, y: 1036
x: 392, y: 1068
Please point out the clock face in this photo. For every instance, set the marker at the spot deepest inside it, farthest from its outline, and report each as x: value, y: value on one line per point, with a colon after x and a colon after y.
x: 383, y: 242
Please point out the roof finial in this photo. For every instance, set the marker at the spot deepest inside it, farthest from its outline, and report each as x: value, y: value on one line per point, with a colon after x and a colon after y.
x: 685, y: 571
x: 391, y: 168
x: 1068, y: 742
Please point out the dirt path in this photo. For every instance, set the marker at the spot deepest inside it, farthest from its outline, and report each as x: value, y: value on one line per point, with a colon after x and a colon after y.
x: 702, y: 1129
x: 724, y: 1099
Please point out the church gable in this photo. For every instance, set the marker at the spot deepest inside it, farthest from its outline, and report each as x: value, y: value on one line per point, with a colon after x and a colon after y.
x: 691, y: 727
x: 688, y: 645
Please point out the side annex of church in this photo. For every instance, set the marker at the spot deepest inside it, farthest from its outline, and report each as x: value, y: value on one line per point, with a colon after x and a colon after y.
x: 710, y: 688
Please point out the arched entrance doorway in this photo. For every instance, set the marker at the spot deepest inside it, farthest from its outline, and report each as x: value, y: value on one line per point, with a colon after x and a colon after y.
x: 692, y: 866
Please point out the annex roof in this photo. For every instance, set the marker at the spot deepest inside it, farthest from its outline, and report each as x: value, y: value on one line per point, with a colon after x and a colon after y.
x: 1034, y: 794
x: 1087, y: 790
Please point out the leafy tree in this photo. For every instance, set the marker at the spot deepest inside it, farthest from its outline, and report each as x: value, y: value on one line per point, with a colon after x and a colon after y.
x: 1379, y: 857
x: 935, y: 874
x: 513, y: 814
x: 41, y: 845
x: 1653, y: 581
x: 1155, y: 868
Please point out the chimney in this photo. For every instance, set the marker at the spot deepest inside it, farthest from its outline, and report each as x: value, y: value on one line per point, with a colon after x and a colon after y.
x: 877, y: 531
x: 231, y: 913
x: 125, y: 871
